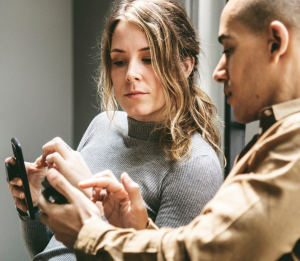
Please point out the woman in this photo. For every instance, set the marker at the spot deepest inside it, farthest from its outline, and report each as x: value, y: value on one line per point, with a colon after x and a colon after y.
x: 167, y: 137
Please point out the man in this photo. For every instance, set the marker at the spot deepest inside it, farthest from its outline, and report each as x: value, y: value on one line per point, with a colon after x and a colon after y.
x: 256, y: 213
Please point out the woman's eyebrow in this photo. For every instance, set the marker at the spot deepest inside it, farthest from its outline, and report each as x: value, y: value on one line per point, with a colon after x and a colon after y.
x: 145, y: 49
x: 116, y: 50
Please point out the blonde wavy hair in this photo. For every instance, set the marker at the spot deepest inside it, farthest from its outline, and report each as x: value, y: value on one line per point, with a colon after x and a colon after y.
x: 172, y: 39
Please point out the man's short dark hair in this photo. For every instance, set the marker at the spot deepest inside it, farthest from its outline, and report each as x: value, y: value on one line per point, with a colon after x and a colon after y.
x: 259, y: 14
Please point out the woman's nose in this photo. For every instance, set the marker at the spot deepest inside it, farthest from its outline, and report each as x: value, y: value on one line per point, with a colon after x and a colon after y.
x: 133, y: 72
x: 220, y: 73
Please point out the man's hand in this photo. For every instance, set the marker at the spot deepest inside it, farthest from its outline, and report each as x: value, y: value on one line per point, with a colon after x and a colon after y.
x: 67, y: 161
x: 66, y: 220
x: 123, y: 203
x: 35, y: 172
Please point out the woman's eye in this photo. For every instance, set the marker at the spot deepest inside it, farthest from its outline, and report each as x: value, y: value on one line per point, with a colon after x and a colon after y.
x: 147, y: 60
x: 119, y: 63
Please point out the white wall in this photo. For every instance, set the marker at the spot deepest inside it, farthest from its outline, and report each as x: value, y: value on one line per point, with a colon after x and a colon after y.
x: 208, y: 28
x: 205, y: 15
x: 251, y: 130
x: 36, y: 92
x: 209, y: 20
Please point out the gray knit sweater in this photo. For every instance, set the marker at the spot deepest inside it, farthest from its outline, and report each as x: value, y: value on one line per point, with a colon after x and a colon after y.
x: 174, y: 192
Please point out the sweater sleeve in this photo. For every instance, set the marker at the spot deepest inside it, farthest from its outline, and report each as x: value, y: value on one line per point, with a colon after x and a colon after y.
x: 186, y: 190
x: 98, y: 120
x: 89, y: 131
x: 36, y: 235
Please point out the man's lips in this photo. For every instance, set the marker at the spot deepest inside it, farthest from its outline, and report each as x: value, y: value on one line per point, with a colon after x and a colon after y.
x: 228, y: 95
x: 227, y: 92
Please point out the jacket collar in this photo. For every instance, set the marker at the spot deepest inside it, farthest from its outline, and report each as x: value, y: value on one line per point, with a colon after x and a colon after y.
x: 272, y: 114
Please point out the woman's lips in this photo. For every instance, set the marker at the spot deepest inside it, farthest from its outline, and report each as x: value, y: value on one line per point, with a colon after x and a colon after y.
x: 135, y: 95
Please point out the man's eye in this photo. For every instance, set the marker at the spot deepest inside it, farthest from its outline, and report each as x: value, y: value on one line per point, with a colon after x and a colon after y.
x: 226, y: 52
x: 148, y: 60
x: 119, y: 63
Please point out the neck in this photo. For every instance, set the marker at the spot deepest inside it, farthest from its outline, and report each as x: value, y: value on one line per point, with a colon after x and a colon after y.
x: 144, y: 130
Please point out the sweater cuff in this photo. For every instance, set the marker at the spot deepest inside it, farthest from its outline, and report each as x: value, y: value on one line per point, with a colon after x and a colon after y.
x: 26, y: 218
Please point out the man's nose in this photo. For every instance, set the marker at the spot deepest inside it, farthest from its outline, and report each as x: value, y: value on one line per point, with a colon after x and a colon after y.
x: 220, y: 73
x: 133, y: 72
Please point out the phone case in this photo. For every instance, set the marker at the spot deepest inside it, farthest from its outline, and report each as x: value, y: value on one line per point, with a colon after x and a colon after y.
x: 19, y: 170
x: 51, y: 193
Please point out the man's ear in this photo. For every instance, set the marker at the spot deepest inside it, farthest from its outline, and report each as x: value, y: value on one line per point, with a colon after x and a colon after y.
x: 279, y: 40
x: 188, y: 65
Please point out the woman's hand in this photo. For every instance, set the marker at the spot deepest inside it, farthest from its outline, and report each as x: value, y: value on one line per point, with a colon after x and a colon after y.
x: 35, y: 172
x: 68, y: 162
x: 123, y: 204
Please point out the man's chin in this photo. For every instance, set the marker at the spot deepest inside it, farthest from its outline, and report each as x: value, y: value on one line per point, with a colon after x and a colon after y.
x: 244, y: 119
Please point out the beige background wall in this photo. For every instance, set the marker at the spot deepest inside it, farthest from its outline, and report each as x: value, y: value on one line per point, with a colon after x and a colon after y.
x: 36, y: 92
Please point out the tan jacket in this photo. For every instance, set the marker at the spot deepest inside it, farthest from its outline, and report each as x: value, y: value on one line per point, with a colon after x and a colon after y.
x: 255, y: 215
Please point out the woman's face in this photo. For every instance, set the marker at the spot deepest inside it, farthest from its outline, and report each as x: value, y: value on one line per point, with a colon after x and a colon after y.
x: 137, y: 88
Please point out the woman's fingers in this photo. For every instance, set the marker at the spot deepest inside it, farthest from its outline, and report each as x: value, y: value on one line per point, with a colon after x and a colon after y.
x: 16, y: 181
x: 10, y: 160
x: 57, y: 159
x: 40, y: 162
x: 56, y: 145
x: 20, y: 204
x: 16, y: 191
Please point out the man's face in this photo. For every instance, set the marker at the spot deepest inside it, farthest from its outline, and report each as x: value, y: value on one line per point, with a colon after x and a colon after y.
x: 244, y: 68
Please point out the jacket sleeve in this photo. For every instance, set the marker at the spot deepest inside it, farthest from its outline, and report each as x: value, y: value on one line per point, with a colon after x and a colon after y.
x: 254, y: 216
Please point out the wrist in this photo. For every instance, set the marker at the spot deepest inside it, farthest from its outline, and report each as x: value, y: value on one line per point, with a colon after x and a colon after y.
x: 25, y: 214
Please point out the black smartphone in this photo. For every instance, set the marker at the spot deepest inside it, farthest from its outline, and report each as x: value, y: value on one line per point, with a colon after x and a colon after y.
x: 51, y: 194
x: 19, y: 170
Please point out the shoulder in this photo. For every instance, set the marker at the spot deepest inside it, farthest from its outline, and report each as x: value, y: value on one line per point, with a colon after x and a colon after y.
x: 102, y: 122
x: 119, y: 117
x: 288, y: 124
x: 278, y: 149
x: 102, y: 125
x: 202, y: 163
x: 201, y: 149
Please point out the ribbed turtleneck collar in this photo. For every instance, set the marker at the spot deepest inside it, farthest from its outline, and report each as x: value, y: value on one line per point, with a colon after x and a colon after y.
x: 143, y: 130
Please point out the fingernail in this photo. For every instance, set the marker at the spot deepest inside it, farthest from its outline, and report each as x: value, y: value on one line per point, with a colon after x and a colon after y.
x: 19, y: 183
x: 22, y: 195
x: 126, y: 177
